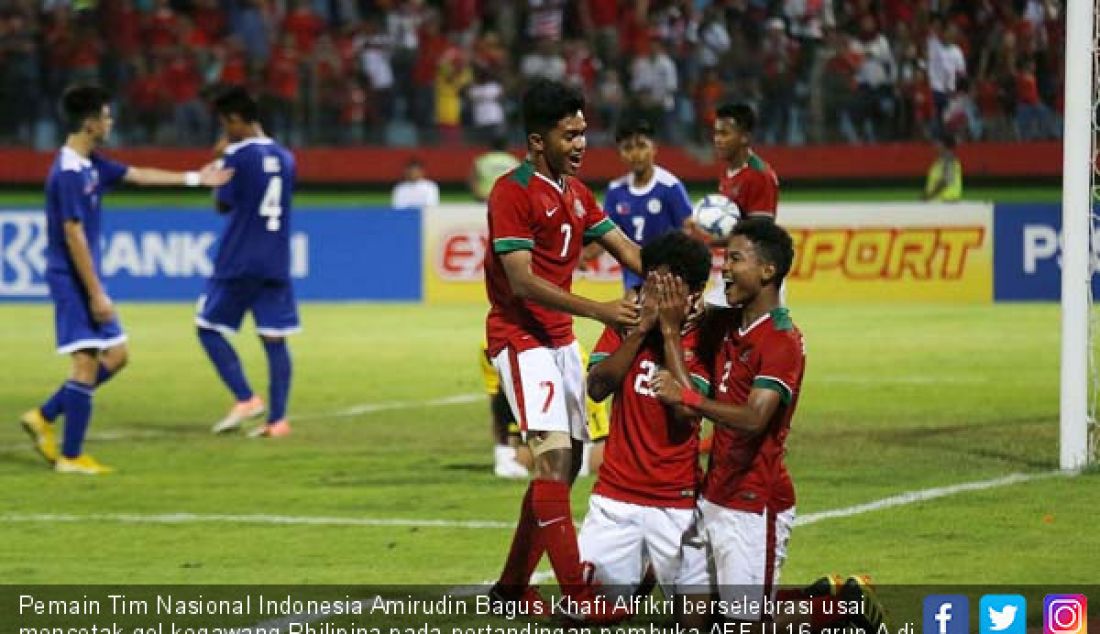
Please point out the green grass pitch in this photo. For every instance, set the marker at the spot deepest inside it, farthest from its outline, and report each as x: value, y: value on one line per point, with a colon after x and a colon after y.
x: 896, y: 399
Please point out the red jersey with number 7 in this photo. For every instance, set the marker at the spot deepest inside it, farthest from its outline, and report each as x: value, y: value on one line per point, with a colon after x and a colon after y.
x: 754, y: 187
x: 650, y: 458
x: 530, y: 212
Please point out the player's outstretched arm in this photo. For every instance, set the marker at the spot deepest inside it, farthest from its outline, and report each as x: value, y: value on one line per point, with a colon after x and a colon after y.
x: 623, y: 249
x: 98, y: 302
x: 751, y: 418
x: 209, y: 176
x: 618, y: 313
x: 605, y: 377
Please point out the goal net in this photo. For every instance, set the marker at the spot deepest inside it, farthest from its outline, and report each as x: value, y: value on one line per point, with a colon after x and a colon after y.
x: 1080, y: 379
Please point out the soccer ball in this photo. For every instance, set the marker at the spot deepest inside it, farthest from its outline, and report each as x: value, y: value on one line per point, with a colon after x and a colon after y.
x: 716, y: 215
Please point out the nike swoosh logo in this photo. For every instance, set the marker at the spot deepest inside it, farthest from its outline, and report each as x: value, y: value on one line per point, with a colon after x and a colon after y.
x: 551, y: 211
x: 543, y: 524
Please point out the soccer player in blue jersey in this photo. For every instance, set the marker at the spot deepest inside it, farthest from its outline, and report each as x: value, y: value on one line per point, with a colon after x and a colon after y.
x: 648, y: 201
x: 252, y: 266
x: 85, y: 321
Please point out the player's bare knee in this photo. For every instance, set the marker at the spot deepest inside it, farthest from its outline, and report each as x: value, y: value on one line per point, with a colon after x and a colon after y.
x: 553, y: 455
x: 115, y: 359
x: 85, y: 366
x: 272, y: 339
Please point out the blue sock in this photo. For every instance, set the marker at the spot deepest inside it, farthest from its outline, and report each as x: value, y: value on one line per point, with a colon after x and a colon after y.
x: 103, y: 375
x: 226, y: 362
x: 77, y: 399
x: 278, y: 371
x: 54, y: 405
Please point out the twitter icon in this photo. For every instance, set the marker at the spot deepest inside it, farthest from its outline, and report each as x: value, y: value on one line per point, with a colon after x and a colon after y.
x: 1002, y: 614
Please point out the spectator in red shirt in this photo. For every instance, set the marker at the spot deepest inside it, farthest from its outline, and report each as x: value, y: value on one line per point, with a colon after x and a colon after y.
x: 182, y: 82
x: 1033, y: 117
x: 303, y: 25
x: 433, y: 46
x: 145, y: 98
x: 160, y: 27
x: 283, y: 89
x: 209, y: 19
x: 600, y: 22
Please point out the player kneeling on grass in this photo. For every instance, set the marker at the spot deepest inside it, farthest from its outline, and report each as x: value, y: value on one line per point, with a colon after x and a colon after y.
x: 252, y: 266
x: 642, y: 504
x: 85, y: 320
x: 746, y: 508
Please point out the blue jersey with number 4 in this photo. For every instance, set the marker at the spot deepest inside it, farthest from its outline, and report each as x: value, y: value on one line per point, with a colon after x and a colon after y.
x: 644, y: 213
x: 256, y: 240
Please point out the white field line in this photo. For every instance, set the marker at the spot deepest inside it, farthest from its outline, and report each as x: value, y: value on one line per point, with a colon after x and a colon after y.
x: 347, y: 412
x: 902, y: 499
x: 255, y: 519
x: 912, y: 379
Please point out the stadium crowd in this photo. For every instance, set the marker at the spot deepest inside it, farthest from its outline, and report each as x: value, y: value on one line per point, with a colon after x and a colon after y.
x: 446, y: 72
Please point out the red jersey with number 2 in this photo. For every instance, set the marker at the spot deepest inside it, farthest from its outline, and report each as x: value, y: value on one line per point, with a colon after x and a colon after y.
x: 749, y: 472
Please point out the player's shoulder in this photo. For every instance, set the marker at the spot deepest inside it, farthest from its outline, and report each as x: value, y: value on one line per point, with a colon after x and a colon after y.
x: 515, y: 182
x: 781, y: 327
x: 664, y: 177
x: 619, y: 184
x: 761, y: 169
x: 69, y: 161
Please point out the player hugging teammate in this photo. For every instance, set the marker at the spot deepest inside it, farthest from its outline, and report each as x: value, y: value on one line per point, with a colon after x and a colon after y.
x: 658, y: 355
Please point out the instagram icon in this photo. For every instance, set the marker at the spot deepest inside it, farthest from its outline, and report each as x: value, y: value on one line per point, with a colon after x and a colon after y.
x: 1065, y: 614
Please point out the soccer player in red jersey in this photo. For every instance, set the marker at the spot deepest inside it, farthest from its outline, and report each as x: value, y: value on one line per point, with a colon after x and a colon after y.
x: 746, y: 178
x: 644, y: 498
x: 540, y: 215
x: 747, y: 500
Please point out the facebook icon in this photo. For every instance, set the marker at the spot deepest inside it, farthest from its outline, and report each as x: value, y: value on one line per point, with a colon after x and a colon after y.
x: 946, y: 614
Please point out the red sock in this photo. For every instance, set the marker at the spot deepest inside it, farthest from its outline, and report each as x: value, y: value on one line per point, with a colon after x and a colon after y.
x: 557, y: 533
x: 526, y: 549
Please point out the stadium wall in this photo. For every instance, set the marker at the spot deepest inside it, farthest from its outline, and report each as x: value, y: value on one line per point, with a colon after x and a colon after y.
x: 384, y: 166
x: 897, y: 252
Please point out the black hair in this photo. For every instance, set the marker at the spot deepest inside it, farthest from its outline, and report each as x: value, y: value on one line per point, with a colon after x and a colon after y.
x: 685, y: 257
x: 498, y: 142
x: 948, y: 140
x: 80, y: 103
x: 546, y: 102
x: 772, y: 243
x: 632, y: 127
x: 236, y: 100
x: 742, y: 113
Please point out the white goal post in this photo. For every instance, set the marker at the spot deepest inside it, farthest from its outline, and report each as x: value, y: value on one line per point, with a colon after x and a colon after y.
x: 1078, y: 392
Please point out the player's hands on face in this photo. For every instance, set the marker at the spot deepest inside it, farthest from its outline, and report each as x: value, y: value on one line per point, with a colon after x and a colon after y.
x: 666, y: 387
x: 103, y: 310
x: 619, y: 313
x: 214, y: 175
x: 649, y: 303
x: 673, y: 300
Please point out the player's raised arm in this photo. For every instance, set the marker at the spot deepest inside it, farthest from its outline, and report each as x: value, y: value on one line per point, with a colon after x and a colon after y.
x: 606, y: 375
x: 210, y: 175
x: 623, y: 249
x: 525, y: 284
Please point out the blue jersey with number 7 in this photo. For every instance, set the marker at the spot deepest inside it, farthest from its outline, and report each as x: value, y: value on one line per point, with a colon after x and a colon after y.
x: 257, y: 200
